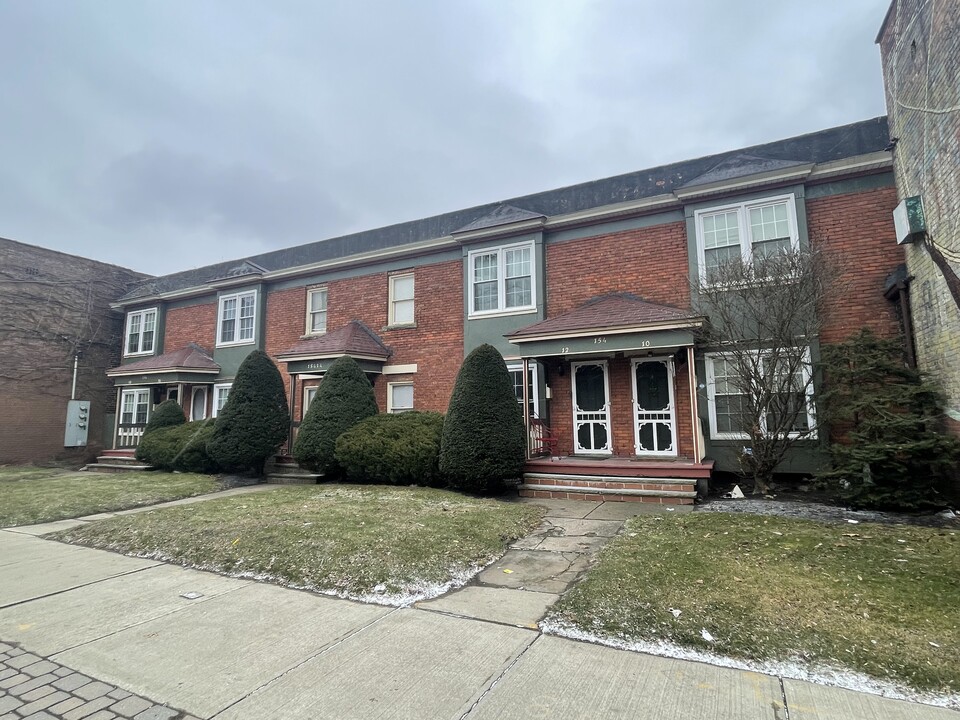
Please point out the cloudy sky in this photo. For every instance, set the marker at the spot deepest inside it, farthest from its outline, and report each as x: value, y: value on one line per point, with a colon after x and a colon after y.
x: 168, y: 134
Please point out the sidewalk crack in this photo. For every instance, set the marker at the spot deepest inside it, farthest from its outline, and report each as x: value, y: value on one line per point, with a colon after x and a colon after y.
x: 501, y: 676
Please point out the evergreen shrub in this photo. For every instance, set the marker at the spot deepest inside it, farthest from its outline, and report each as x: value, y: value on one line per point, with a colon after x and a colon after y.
x: 892, y: 452
x: 179, y: 447
x: 255, y: 420
x: 166, y: 414
x: 344, y: 398
x: 483, y: 441
x: 400, y: 449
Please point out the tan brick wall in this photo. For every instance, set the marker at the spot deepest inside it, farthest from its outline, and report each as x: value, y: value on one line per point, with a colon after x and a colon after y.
x: 920, y: 50
x: 855, y: 232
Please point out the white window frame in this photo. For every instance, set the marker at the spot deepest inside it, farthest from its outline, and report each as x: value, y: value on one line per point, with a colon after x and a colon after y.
x: 745, y: 229
x: 136, y: 394
x: 391, y: 408
x: 806, y: 371
x: 502, y: 309
x: 393, y: 300
x: 142, y: 315
x: 309, y: 323
x: 237, y: 340
x: 215, y: 405
x: 193, y: 397
x: 513, y: 367
x: 309, y: 395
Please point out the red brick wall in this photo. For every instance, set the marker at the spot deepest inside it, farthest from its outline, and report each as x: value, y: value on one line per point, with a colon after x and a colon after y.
x: 856, y: 233
x: 435, y: 345
x: 648, y: 262
x: 197, y: 324
x: 621, y: 408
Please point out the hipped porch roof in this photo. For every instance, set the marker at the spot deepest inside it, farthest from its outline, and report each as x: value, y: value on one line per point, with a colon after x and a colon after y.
x: 189, y: 359
x: 354, y: 339
x: 621, y: 322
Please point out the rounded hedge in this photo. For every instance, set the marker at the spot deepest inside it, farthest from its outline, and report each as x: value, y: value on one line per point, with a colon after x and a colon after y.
x: 166, y: 414
x: 179, y: 447
x: 401, y: 449
x: 344, y: 398
x: 255, y: 420
x: 483, y: 441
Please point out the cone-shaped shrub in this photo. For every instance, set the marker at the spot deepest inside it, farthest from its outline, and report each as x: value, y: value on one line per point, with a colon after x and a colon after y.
x: 166, y: 414
x: 483, y: 440
x: 255, y: 420
x: 179, y: 447
x: 344, y: 398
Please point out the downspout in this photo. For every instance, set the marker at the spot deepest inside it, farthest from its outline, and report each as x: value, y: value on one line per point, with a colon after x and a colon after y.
x: 293, y: 407
x: 904, y: 296
x: 73, y: 388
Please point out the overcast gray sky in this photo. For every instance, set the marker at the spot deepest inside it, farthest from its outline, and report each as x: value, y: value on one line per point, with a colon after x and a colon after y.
x: 168, y: 134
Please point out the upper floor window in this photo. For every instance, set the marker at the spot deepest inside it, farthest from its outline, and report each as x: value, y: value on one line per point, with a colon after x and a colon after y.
x: 502, y: 279
x: 784, y: 390
x: 745, y: 231
x: 316, y: 311
x: 141, y: 332
x: 401, y: 300
x: 237, y: 318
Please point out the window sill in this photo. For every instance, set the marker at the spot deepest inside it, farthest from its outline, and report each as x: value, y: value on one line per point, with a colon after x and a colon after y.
x: 499, y: 313
x: 309, y: 336
x: 145, y: 353
x: 404, y: 326
x: 236, y: 344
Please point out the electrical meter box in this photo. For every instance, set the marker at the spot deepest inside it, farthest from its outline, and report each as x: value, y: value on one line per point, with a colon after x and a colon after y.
x: 78, y: 423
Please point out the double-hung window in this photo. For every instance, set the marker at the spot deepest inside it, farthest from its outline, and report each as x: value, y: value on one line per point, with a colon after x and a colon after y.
x: 237, y: 318
x: 401, y: 300
x: 141, y: 332
x: 399, y: 397
x: 316, y: 311
x: 745, y: 231
x: 220, y: 395
x: 516, y: 375
x: 502, y: 280
x: 779, y: 396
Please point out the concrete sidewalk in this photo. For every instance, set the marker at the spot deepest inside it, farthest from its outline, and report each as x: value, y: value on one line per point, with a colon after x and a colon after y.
x: 241, y: 649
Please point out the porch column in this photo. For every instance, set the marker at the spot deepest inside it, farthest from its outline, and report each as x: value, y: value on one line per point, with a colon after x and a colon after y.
x: 526, y: 403
x: 116, y: 419
x: 694, y: 410
x: 293, y: 406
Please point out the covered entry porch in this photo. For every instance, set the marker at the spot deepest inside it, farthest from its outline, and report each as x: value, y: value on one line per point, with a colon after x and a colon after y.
x: 622, y: 413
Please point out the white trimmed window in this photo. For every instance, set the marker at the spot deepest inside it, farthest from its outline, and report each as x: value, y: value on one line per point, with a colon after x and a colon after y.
x: 309, y: 393
x: 316, y: 311
x: 788, y: 384
x: 401, y: 300
x: 220, y: 395
x: 756, y: 229
x: 141, y: 332
x: 237, y: 318
x: 399, y: 397
x: 516, y: 375
x: 502, y: 280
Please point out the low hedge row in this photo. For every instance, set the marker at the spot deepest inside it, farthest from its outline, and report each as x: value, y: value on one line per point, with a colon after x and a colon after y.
x: 400, y: 449
x: 179, y: 447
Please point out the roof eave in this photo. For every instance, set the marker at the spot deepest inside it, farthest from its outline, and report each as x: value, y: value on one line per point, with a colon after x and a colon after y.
x: 624, y: 330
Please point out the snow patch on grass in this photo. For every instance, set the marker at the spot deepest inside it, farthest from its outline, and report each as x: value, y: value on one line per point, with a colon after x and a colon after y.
x: 819, y: 674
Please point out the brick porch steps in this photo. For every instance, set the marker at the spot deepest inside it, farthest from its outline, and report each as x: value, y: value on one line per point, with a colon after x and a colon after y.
x: 285, y: 471
x: 614, y: 479
x: 117, y: 461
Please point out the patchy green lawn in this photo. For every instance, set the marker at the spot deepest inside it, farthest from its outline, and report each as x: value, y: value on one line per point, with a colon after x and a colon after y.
x: 378, y: 543
x: 30, y: 495
x: 877, y: 599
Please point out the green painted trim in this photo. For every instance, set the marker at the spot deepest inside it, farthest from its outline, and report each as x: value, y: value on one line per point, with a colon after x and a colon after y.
x: 596, y: 229
x: 653, y: 341
x: 402, y: 263
x: 298, y: 367
x: 851, y: 185
x: 167, y: 378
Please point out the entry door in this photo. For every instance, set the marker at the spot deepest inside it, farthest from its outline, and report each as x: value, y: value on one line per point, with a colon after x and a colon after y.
x: 655, y: 422
x: 198, y: 404
x: 591, y: 408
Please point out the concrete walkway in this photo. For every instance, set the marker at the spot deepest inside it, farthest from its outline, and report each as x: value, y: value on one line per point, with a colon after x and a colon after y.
x: 195, y: 644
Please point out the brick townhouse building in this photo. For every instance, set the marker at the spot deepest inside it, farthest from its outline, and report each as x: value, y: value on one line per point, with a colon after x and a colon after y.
x: 585, y: 290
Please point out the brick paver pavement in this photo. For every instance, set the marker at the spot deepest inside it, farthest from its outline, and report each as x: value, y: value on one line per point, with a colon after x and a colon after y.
x: 36, y: 688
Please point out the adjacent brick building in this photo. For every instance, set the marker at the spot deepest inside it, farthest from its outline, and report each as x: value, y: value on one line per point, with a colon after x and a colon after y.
x: 585, y: 290
x: 920, y: 48
x: 53, y: 305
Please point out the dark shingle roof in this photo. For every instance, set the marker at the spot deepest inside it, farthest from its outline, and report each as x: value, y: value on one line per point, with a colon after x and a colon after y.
x: 353, y: 339
x: 500, y: 215
x: 191, y: 357
x: 819, y: 147
x: 617, y: 310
